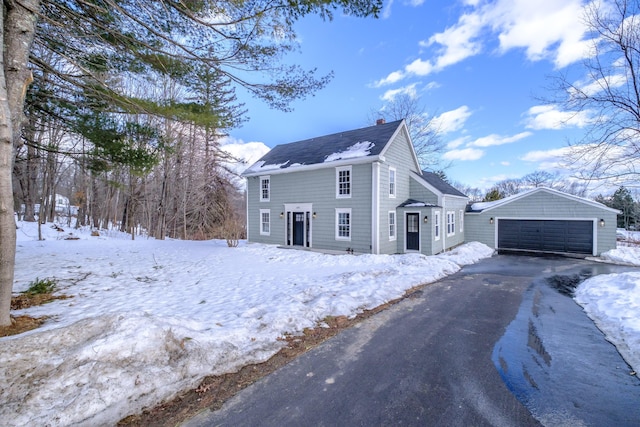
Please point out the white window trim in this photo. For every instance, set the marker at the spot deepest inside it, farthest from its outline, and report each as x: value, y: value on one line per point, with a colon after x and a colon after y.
x: 452, y: 215
x: 268, y: 198
x: 343, y: 211
x: 437, y: 225
x: 461, y: 221
x: 338, y: 170
x: 395, y: 226
x: 262, y: 232
x: 392, y: 195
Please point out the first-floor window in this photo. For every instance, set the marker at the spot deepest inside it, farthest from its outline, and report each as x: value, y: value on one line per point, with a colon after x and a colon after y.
x: 451, y: 223
x: 461, y: 226
x: 436, y: 226
x: 392, y: 225
x: 343, y: 224
x: 265, y: 222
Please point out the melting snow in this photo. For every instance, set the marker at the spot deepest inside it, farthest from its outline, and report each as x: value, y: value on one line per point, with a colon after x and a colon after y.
x: 150, y: 318
x: 261, y: 166
x: 359, y: 149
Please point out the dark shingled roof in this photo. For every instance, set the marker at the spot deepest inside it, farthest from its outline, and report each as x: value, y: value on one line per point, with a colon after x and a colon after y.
x: 440, y: 184
x: 316, y: 150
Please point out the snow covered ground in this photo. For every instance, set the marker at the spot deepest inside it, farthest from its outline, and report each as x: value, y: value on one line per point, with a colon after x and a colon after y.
x: 613, y: 300
x: 149, y: 318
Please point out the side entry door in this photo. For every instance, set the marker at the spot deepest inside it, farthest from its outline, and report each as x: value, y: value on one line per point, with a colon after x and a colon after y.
x: 413, y: 232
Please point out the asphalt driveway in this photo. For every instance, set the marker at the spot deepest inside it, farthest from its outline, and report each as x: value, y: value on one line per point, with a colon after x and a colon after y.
x: 481, y: 347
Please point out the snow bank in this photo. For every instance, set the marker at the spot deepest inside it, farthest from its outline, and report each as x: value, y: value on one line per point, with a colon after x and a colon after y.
x: 613, y: 302
x: 150, y: 318
x: 622, y: 255
x: 469, y: 253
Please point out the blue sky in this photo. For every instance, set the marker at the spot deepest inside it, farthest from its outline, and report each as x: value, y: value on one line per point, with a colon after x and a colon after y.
x: 479, y: 67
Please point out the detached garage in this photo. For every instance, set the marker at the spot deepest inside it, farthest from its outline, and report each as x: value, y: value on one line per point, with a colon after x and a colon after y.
x: 543, y: 220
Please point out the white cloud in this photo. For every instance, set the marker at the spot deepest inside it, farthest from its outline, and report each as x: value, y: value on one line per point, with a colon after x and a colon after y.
x: 416, y: 3
x: 546, y: 29
x: 591, y: 87
x: 489, y: 181
x: 494, y: 139
x: 451, y: 121
x: 393, y: 77
x: 505, y: 163
x: 458, y: 142
x: 407, y: 90
x: 458, y: 43
x: 550, y: 160
x: 550, y: 117
x: 601, y: 166
x: 247, y: 153
x: 432, y: 85
x: 465, y: 154
x: 386, y: 11
x: 545, y: 155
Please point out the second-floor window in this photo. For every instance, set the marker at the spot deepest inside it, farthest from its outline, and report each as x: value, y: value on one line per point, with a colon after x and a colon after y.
x: 392, y: 182
x: 265, y: 188
x: 343, y: 182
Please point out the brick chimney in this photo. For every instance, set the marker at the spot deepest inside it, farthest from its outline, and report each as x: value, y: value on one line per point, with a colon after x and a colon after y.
x: 380, y: 121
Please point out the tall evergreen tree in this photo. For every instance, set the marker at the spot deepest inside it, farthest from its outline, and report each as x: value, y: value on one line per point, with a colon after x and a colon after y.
x: 94, y: 51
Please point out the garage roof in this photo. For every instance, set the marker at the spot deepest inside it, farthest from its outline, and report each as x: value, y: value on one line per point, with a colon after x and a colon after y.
x: 486, y: 206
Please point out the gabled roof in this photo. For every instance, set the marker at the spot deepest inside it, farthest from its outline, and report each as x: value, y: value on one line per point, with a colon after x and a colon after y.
x: 485, y: 206
x: 365, y: 143
x: 440, y: 184
x: 436, y: 185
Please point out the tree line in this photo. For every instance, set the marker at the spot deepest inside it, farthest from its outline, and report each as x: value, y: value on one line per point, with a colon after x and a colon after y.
x: 123, y: 102
x: 628, y: 205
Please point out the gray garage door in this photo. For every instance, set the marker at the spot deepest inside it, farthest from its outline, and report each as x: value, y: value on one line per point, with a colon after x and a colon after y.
x: 546, y: 235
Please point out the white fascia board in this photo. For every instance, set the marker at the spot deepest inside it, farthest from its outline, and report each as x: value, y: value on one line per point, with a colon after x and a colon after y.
x: 453, y: 196
x: 316, y: 166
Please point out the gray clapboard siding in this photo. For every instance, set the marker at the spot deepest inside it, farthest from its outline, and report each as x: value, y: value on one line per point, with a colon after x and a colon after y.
x: 546, y: 205
x: 420, y: 192
x: 317, y: 187
x: 458, y: 206
x: 398, y: 155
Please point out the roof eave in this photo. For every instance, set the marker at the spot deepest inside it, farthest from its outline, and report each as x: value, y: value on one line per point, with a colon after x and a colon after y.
x: 519, y: 196
x: 315, y: 166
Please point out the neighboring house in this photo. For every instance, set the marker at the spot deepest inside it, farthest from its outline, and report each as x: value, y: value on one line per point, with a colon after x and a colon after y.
x: 360, y: 190
x: 543, y: 220
x: 363, y: 191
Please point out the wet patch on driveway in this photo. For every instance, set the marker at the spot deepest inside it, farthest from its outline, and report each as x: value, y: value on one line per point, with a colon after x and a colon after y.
x: 558, y: 364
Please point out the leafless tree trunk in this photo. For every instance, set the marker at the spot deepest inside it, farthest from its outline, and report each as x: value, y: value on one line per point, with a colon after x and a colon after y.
x: 18, y: 29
